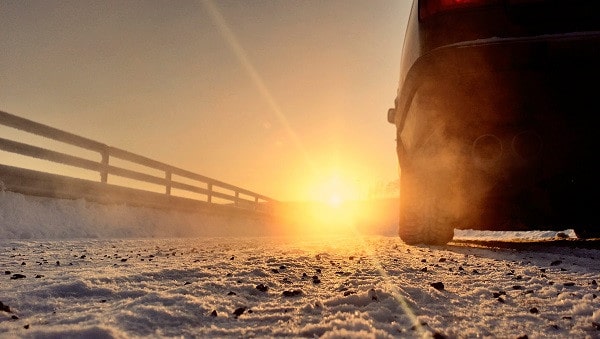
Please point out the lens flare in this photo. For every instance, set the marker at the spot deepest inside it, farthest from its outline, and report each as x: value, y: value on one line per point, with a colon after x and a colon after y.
x: 258, y: 81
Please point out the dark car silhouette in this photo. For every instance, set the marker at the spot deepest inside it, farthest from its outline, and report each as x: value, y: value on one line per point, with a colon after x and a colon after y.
x: 496, y: 118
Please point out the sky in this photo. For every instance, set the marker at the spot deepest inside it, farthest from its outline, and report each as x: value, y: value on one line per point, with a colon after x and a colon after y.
x: 285, y: 98
x: 65, y: 276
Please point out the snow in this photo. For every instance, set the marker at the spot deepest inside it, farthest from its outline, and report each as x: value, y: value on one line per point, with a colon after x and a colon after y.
x: 79, y: 270
x: 511, y: 235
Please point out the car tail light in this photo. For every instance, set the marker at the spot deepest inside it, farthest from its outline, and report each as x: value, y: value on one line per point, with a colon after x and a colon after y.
x: 428, y: 8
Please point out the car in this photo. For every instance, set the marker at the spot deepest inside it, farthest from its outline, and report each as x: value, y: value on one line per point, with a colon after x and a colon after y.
x: 496, y: 116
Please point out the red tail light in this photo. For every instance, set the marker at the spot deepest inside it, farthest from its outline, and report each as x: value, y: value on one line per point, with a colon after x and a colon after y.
x: 428, y: 8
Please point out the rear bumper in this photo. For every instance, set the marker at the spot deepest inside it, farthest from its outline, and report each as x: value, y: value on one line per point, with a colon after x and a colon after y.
x: 460, y: 64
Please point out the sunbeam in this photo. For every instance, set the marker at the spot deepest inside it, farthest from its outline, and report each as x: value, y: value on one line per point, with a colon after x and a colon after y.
x: 239, y: 51
x: 394, y: 290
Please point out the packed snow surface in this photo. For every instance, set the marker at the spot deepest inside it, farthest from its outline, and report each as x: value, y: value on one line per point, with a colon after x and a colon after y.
x: 121, y: 280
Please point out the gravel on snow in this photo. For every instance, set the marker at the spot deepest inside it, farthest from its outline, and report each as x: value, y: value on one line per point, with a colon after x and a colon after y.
x: 355, y: 287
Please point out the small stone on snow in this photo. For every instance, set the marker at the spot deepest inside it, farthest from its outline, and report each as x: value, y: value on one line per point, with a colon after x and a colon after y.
x: 239, y: 311
x: 293, y: 293
x: 262, y: 287
x: 438, y: 285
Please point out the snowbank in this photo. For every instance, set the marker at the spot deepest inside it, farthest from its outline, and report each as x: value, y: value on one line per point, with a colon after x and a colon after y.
x: 27, y: 217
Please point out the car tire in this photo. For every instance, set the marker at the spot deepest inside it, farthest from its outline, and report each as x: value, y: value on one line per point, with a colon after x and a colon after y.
x: 422, y: 221
x: 425, y: 232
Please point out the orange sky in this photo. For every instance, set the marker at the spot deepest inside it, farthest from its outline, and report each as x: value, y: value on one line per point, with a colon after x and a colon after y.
x: 285, y: 98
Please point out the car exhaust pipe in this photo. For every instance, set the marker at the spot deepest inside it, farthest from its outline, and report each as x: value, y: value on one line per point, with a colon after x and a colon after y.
x: 527, y: 144
x: 486, y: 150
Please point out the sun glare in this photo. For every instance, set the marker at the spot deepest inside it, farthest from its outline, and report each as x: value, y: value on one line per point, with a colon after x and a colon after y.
x: 335, y: 200
x: 334, y: 190
x: 335, y: 204
x: 330, y: 204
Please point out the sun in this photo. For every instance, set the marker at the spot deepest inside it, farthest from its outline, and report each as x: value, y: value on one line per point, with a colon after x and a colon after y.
x: 332, y: 208
x: 333, y: 190
x: 335, y: 200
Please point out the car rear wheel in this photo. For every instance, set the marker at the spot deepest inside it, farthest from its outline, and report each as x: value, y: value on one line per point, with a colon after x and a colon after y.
x: 414, y: 230
x: 423, y: 218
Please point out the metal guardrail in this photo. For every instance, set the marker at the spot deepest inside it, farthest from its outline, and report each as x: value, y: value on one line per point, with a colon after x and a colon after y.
x: 213, y: 188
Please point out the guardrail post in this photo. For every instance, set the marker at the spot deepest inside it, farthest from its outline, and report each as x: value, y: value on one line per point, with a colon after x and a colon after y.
x: 168, y: 184
x: 104, y: 169
x: 209, y: 196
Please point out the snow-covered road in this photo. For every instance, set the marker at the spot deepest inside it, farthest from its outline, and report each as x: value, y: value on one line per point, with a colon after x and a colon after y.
x: 355, y: 287
x: 72, y: 269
